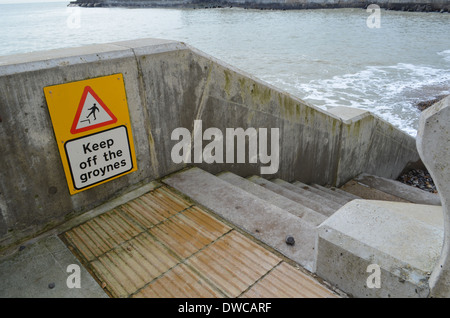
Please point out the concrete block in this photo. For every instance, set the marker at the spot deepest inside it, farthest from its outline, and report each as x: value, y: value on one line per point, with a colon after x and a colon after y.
x: 401, y: 240
x: 433, y: 143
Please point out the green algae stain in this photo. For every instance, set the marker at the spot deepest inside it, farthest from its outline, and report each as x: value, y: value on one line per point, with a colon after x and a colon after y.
x: 261, y: 94
x: 227, y: 87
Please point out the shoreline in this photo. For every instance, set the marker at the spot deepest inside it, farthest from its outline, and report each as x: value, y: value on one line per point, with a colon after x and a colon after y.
x: 411, y: 6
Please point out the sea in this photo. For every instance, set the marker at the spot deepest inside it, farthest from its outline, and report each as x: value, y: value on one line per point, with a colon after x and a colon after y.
x: 382, y: 61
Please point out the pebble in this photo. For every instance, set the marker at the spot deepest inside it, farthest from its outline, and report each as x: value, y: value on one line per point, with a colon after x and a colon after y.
x: 420, y: 179
x: 290, y: 240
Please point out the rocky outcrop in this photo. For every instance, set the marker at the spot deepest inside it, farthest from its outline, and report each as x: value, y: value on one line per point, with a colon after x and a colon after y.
x: 401, y: 5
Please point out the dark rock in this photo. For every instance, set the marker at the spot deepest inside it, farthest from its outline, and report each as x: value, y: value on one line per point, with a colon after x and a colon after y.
x: 420, y: 179
x: 424, y: 105
x: 290, y: 240
x: 263, y: 5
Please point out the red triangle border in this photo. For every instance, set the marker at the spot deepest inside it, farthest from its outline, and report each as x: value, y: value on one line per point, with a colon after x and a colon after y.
x: 87, y: 90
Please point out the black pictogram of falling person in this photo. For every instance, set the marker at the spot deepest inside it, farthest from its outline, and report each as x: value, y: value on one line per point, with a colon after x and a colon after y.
x: 93, y: 109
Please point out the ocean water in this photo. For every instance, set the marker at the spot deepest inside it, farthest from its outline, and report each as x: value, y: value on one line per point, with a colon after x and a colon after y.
x: 328, y: 57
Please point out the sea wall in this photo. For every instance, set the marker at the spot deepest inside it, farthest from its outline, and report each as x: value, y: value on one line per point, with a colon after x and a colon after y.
x: 169, y: 85
x: 402, y: 5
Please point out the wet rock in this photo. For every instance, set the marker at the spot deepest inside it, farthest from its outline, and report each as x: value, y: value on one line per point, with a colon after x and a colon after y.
x: 420, y: 179
x: 424, y: 105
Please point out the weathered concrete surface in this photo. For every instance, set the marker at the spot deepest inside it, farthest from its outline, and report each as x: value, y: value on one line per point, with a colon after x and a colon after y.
x: 280, y: 201
x: 325, y: 192
x: 365, y: 192
x: 404, y: 5
x: 43, y: 269
x: 192, y: 85
x: 401, y: 190
x: 367, y: 141
x: 433, y: 143
x: 295, y: 196
x: 403, y: 239
x: 168, y: 85
x: 258, y: 217
x: 322, y: 200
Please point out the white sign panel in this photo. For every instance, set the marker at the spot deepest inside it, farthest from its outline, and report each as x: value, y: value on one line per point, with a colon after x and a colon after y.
x: 98, y: 157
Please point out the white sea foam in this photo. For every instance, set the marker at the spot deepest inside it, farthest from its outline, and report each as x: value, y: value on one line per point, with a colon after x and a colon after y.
x: 390, y: 92
x: 445, y: 54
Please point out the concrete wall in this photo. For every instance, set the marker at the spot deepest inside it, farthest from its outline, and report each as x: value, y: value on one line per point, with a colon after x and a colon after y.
x: 371, y: 145
x: 169, y: 85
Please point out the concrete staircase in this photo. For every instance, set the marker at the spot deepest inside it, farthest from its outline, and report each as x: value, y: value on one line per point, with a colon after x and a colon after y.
x: 300, y: 221
x: 283, y: 215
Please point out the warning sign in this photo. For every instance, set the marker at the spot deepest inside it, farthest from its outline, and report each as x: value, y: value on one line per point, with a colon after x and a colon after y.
x: 98, y: 157
x: 92, y: 127
x: 92, y: 113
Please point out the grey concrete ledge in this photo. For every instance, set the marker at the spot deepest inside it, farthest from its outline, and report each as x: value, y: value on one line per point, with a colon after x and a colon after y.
x: 403, y: 239
x: 349, y: 115
x: 39, y: 60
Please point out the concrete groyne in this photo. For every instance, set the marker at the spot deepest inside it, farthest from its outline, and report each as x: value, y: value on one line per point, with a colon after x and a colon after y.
x: 168, y: 85
x: 400, y: 5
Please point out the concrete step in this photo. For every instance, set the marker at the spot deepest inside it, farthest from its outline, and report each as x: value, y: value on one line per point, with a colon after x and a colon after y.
x: 280, y: 201
x: 318, y: 197
x: 368, y: 193
x: 333, y: 196
x: 297, y: 197
x: 400, y: 243
x: 399, y: 189
x: 340, y: 191
x: 266, y: 222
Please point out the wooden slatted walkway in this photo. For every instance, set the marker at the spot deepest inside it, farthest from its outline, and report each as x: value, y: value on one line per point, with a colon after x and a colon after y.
x: 161, y: 245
